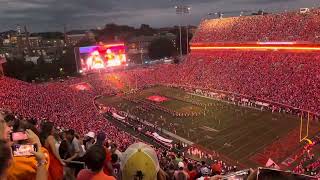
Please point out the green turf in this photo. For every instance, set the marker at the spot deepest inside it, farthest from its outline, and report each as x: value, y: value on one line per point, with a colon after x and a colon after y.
x: 237, y: 132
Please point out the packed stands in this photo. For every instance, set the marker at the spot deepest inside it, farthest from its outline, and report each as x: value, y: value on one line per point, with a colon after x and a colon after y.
x: 285, y: 26
x: 59, y: 103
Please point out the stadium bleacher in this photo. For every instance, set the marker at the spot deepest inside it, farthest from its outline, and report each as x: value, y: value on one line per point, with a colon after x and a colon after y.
x: 284, y: 26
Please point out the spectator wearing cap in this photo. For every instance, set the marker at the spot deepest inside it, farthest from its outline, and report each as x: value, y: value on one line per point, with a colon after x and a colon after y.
x: 205, y: 174
x: 181, y: 174
x: 94, y: 159
x: 203, y: 166
x: 89, y: 139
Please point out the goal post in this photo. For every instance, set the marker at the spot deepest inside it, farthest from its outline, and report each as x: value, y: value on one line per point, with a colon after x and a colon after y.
x: 304, y: 128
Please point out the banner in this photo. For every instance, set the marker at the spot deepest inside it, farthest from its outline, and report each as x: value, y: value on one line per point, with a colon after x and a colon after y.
x: 115, y: 115
x: 160, y: 138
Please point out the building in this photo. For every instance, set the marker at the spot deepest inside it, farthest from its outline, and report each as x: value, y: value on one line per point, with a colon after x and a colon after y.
x: 52, y: 43
x: 13, y: 41
x: 73, y: 39
x: 33, y: 41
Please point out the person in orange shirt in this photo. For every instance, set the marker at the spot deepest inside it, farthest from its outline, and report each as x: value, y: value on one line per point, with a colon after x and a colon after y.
x: 94, y: 159
x: 31, y: 167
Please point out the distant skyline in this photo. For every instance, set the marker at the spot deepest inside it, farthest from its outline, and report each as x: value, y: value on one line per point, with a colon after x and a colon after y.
x: 52, y: 15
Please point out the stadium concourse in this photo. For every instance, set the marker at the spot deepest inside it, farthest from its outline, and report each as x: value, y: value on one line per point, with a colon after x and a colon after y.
x: 287, y: 81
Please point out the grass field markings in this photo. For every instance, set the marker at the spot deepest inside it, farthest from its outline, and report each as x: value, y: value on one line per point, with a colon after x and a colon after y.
x: 252, y: 141
x: 233, y: 131
x: 206, y: 128
x: 240, y: 133
x: 248, y: 132
x: 219, y: 142
x: 257, y: 149
x: 222, y: 138
x: 265, y: 144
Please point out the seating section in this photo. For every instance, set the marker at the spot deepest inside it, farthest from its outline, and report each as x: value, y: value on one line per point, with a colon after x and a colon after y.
x: 286, y: 26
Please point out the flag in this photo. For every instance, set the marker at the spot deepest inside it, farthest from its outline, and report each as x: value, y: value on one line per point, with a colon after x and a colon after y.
x: 271, y: 164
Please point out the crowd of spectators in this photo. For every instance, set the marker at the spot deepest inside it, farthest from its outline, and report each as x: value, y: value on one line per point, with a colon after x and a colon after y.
x: 284, y: 26
x: 65, y: 154
x: 308, y: 162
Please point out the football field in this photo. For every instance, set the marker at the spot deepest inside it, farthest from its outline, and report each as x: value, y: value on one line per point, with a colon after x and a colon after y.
x: 234, y: 131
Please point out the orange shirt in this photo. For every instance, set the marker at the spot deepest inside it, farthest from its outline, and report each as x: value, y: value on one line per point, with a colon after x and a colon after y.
x: 86, y: 174
x: 107, y: 162
x: 25, y: 167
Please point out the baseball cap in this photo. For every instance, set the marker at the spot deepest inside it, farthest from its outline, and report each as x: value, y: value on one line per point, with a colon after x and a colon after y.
x: 205, y: 171
x: 90, y: 134
x: 180, y: 165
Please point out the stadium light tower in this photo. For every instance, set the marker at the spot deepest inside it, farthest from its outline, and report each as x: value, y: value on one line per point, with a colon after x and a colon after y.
x: 181, y: 10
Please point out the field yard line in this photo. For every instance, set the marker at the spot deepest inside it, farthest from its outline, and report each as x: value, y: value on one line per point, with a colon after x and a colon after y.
x: 258, y: 126
x: 220, y: 137
x: 223, y: 101
x: 257, y: 150
x: 231, y: 134
x: 239, y: 130
x: 267, y: 132
x: 206, y: 128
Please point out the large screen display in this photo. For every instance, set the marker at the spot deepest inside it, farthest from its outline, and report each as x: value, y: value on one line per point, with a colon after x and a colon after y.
x: 91, y: 58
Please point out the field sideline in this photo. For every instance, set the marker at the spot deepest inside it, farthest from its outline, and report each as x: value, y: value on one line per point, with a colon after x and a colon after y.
x: 234, y: 131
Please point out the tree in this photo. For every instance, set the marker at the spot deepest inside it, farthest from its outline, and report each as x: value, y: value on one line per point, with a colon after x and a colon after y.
x: 161, y: 47
x: 111, y: 31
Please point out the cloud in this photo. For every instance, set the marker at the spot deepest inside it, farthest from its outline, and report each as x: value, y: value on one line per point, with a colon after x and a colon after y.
x: 43, y: 15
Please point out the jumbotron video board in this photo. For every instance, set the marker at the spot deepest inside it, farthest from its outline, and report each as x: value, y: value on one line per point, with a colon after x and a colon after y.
x: 93, y: 58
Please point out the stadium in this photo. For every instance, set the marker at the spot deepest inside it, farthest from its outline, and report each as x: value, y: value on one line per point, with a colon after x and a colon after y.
x: 247, y: 95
